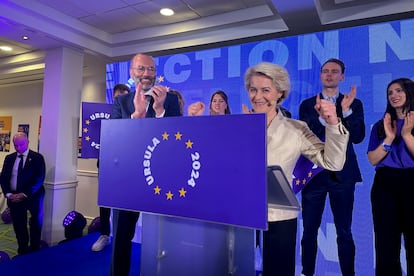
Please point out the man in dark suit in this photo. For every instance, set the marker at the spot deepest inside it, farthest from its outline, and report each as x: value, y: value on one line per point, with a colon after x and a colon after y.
x: 147, y: 101
x: 339, y: 185
x: 22, y: 180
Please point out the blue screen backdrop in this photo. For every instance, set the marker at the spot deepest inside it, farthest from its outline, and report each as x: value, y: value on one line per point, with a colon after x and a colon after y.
x: 373, y: 55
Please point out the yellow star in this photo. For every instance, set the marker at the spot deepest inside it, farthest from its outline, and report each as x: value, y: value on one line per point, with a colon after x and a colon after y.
x: 189, y: 144
x: 297, y: 181
x: 160, y: 79
x: 87, y: 122
x: 178, y: 136
x: 309, y: 173
x: 157, y: 190
x: 85, y: 130
x: 165, y: 136
x: 169, y: 195
x: 182, y: 192
x: 304, y: 181
x: 87, y: 138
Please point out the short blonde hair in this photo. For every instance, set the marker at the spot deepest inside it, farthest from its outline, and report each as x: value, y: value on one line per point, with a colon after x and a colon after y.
x: 278, y: 75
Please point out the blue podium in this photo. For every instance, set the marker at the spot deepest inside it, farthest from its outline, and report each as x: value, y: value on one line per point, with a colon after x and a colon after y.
x: 200, y: 183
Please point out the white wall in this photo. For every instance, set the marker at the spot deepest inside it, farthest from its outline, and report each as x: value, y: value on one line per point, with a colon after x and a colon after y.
x: 23, y: 101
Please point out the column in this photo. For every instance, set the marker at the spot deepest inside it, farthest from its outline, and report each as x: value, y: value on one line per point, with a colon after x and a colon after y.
x: 58, y: 137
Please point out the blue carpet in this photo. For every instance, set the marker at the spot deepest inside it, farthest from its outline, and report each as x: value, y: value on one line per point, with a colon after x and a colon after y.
x: 70, y: 258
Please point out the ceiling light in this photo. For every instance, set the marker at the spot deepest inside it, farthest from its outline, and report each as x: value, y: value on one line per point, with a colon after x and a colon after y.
x: 166, y: 12
x: 25, y: 37
x: 6, y: 48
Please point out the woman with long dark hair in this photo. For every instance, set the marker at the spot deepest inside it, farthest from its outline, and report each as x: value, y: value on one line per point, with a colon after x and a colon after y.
x: 391, y: 151
x: 219, y: 103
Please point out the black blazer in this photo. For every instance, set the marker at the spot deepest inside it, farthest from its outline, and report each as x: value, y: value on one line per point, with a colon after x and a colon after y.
x: 354, y: 124
x: 124, y: 106
x: 33, y: 174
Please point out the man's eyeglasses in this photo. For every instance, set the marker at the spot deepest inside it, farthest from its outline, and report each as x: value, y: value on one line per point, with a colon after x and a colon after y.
x: 142, y: 68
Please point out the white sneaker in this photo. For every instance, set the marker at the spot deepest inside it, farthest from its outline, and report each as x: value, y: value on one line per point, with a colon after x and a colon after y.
x: 101, y: 243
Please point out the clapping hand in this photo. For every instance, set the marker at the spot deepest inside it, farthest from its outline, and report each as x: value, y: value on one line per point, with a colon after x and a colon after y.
x: 348, y: 99
x: 390, y: 129
x: 159, y: 93
x: 140, y: 103
x: 408, y: 124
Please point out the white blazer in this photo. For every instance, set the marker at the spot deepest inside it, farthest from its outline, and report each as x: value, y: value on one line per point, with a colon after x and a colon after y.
x: 287, y: 139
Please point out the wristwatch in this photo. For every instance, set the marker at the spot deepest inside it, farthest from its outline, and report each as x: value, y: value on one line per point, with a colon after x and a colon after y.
x: 387, y: 148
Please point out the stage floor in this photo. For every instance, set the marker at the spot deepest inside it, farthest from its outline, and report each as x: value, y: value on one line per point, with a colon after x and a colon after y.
x: 70, y: 258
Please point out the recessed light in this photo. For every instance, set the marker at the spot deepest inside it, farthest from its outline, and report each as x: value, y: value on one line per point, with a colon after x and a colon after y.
x: 25, y: 37
x: 6, y: 48
x: 167, y: 12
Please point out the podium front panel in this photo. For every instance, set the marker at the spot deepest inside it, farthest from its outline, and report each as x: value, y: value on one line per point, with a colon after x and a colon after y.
x: 210, y: 168
x: 175, y: 246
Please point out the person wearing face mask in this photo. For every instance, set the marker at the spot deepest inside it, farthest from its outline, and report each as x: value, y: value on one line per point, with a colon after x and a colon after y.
x: 148, y: 100
x: 267, y: 86
x: 391, y: 151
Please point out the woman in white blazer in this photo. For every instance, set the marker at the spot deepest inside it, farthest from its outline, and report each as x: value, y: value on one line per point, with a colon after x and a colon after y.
x: 267, y: 86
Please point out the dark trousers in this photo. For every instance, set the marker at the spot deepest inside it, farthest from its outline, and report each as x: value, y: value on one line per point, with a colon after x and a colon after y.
x: 393, y: 215
x: 18, y: 212
x: 279, y: 246
x: 341, y: 198
x: 104, y: 215
x: 123, y: 223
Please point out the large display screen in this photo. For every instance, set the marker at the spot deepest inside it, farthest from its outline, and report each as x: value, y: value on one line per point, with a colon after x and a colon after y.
x: 373, y: 55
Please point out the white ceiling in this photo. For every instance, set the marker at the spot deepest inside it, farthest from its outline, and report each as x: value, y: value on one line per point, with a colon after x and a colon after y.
x: 117, y: 29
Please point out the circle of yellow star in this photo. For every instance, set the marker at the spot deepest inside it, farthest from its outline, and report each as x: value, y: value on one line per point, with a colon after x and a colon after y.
x: 157, y: 190
x: 182, y: 192
x: 178, y: 136
x: 189, y: 144
x: 169, y: 195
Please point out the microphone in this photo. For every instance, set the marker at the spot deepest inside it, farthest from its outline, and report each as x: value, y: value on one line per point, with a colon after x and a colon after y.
x: 269, y: 104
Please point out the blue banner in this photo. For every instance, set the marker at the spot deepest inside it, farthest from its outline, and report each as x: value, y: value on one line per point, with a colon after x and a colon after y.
x: 194, y: 167
x: 92, y: 114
